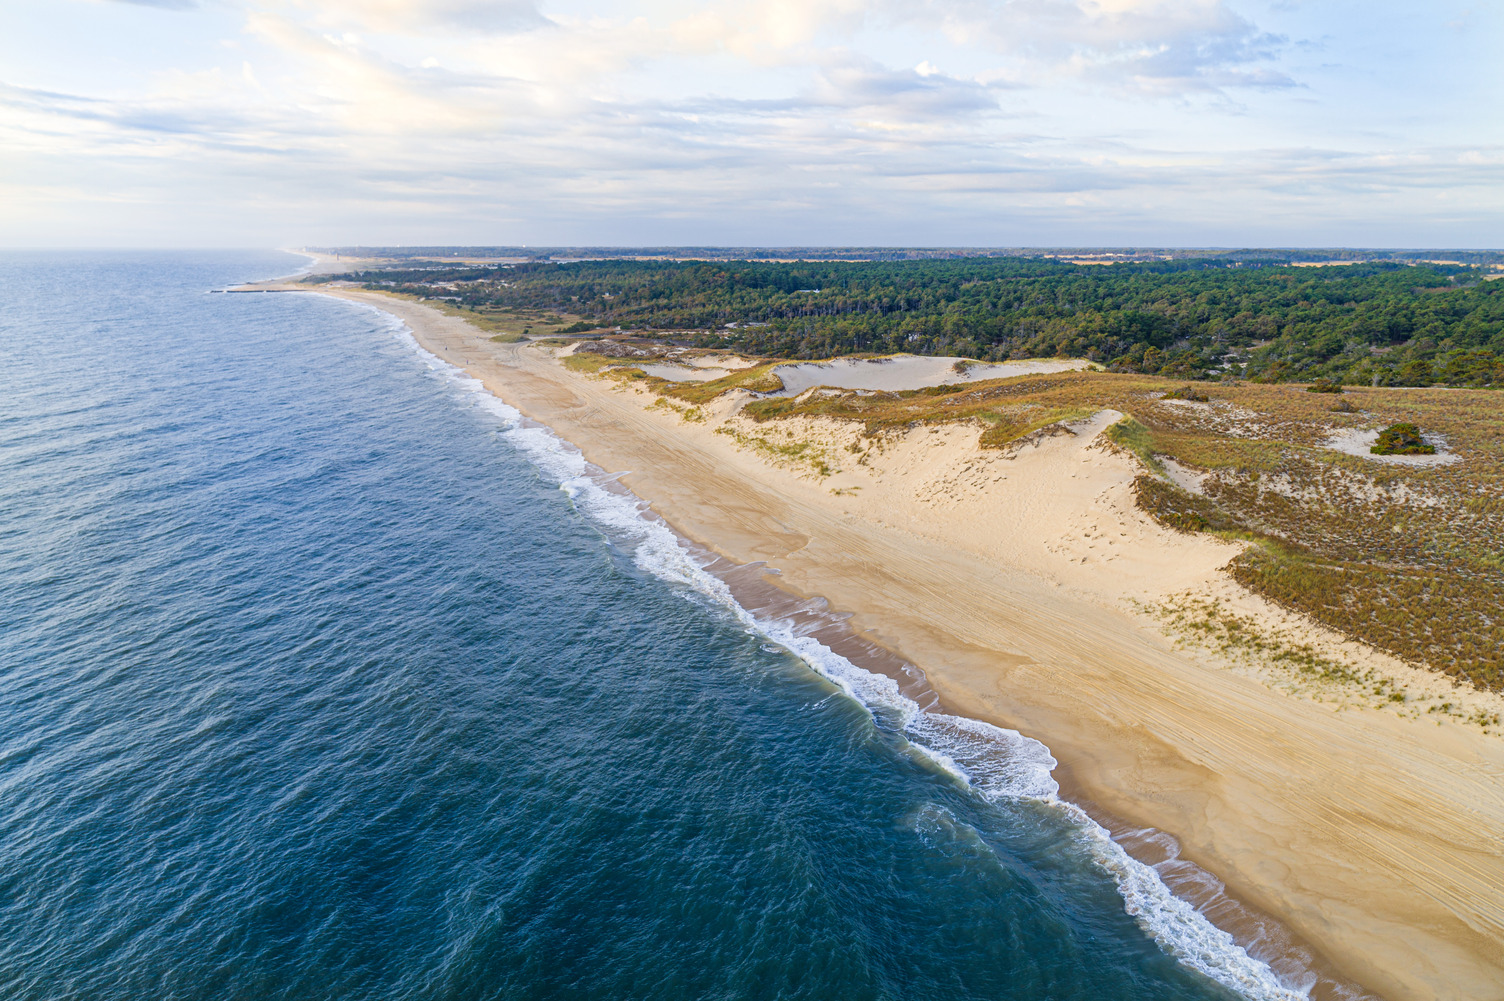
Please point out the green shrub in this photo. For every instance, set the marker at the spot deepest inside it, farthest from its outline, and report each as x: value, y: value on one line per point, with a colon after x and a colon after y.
x: 1325, y: 386
x: 1188, y: 393
x: 1401, y: 439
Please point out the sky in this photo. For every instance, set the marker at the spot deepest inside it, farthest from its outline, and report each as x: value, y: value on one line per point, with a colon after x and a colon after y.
x: 1042, y: 123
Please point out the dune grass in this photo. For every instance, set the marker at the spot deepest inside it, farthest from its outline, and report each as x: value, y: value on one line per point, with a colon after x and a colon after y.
x: 1405, y: 558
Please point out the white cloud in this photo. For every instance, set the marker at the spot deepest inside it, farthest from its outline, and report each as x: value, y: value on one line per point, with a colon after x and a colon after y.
x: 419, y: 15
x: 767, y: 30
x: 165, y: 4
x: 649, y: 121
x: 1155, y: 46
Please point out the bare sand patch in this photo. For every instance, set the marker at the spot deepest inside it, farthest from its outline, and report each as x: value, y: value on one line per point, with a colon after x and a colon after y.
x: 1354, y: 442
x: 896, y: 373
x: 684, y: 373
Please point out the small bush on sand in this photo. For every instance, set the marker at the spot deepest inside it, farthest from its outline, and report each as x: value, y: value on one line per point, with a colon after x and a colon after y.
x: 1402, y: 439
x: 1188, y: 393
x: 1343, y: 407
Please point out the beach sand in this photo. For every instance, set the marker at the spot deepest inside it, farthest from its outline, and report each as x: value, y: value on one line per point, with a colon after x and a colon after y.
x: 1016, y: 582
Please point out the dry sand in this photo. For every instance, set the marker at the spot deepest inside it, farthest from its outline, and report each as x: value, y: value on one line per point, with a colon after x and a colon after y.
x: 682, y: 373
x: 333, y: 264
x: 1014, y: 581
x: 896, y: 372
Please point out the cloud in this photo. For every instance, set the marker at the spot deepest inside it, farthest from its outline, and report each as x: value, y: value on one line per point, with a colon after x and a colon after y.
x: 952, y: 121
x: 909, y: 95
x: 422, y: 15
x: 769, y: 30
x: 1155, y: 47
x: 1152, y: 46
x: 164, y: 4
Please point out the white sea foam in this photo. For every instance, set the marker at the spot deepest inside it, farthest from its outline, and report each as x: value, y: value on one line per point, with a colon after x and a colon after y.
x: 997, y: 763
x: 313, y: 261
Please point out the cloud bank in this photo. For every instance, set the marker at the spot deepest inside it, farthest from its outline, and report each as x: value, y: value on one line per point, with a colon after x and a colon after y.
x: 1003, y: 122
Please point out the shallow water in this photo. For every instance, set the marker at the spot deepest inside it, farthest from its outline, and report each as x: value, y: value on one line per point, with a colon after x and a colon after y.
x: 318, y: 685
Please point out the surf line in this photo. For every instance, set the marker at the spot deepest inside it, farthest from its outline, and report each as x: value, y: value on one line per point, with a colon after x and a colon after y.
x: 995, y: 763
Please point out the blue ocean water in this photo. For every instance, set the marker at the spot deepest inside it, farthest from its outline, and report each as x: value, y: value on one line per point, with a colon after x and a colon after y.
x: 316, y: 684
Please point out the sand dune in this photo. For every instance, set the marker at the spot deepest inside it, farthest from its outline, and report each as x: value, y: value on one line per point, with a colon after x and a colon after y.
x: 899, y: 372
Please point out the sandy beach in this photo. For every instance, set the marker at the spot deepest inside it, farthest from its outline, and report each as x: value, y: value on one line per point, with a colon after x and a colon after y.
x: 1018, y: 582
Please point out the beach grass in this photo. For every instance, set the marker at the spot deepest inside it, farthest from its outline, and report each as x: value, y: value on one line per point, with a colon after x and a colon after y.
x: 1403, y: 557
x: 756, y: 379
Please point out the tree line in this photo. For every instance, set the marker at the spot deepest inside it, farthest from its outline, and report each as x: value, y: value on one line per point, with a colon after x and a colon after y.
x: 1375, y: 323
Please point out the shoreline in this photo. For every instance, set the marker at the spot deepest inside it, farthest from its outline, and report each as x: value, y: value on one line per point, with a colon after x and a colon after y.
x: 1057, y: 667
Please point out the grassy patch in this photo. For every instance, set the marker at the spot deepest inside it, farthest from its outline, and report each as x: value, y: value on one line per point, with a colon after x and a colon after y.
x: 690, y: 415
x: 789, y: 451
x: 1129, y: 434
x: 1005, y: 419
x: 1300, y: 667
x: 1189, y: 393
x: 1210, y: 624
x: 757, y: 379
x: 589, y: 364
x: 1006, y: 428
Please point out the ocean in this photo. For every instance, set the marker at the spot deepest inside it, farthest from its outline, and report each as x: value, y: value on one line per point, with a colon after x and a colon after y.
x: 326, y: 675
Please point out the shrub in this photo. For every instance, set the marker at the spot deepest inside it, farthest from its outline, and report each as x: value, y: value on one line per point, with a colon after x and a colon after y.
x: 1325, y: 386
x: 1188, y: 393
x: 1402, y: 439
x: 1343, y: 407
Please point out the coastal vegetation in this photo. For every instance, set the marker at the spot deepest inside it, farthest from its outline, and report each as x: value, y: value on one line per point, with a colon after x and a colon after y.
x: 1290, y: 661
x: 1401, y: 439
x: 1376, y: 323
x: 1402, y: 557
x: 507, y: 325
x: 1188, y: 393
